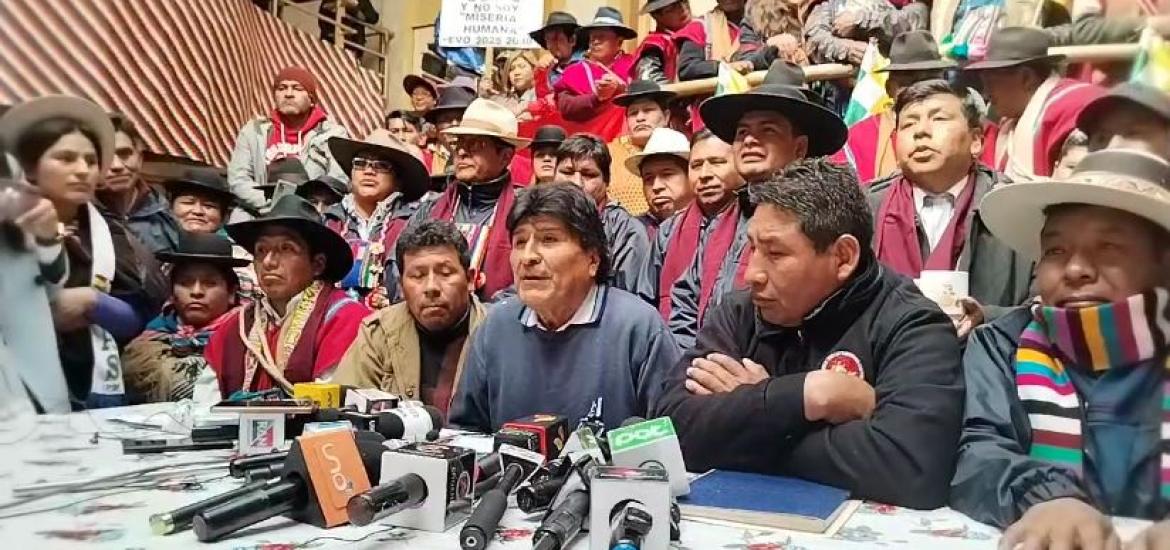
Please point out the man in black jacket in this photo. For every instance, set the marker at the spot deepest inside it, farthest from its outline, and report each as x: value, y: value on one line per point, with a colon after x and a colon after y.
x: 831, y: 367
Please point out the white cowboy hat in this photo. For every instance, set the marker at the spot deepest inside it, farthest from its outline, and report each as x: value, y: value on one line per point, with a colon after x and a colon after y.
x: 1127, y: 180
x: 17, y: 121
x: 488, y: 118
x: 663, y: 141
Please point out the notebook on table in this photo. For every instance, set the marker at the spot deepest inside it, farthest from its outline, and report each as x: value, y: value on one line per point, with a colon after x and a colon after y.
x: 766, y: 501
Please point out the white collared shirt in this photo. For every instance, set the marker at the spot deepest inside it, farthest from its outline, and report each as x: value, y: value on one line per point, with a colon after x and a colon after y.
x: 586, y: 313
x: 935, y: 210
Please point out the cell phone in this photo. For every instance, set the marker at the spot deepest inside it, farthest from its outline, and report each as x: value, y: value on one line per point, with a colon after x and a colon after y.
x: 286, y: 406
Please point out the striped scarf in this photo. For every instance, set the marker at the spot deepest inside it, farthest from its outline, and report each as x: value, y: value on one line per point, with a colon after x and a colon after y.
x: 1128, y: 333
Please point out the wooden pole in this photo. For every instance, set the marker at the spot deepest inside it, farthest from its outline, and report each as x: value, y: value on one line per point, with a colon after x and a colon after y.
x: 835, y: 71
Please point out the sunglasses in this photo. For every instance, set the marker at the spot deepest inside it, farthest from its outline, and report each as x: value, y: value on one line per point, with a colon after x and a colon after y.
x: 379, y: 166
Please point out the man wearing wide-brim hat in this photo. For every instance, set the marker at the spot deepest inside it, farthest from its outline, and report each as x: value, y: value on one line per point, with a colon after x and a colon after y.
x: 1095, y: 343
x: 585, y: 92
x: 1037, y: 107
x: 913, y: 58
x: 648, y: 108
x: 386, y: 181
x: 423, y: 92
x: 544, y: 152
x: 479, y: 196
x: 166, y: 362
x: 1131, y: 115
x: 453, y: 101
x: 662, y: 170
x: 768, y: 127
x: 303, y: 324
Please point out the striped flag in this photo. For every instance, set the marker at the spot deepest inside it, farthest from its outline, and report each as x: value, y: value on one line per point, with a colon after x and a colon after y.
x: 869, y: 94
x: 1152, y: 65
x: 729, y: 81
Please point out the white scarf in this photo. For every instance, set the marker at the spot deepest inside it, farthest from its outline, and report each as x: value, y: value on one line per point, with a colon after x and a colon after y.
x: 107, y: 365
x: 1019, y: 140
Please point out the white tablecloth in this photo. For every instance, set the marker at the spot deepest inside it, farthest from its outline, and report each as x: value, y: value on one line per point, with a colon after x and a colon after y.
x: 47, y: 449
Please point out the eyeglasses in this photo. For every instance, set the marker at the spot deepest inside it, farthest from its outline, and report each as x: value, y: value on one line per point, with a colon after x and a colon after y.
x: 473, y: 144
x: 379, y: 166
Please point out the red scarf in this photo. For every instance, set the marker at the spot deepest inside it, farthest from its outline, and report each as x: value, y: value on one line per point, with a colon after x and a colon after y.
x: 497, y: 263
x: 283, y: 133
x: 896, y: 239
x: 681, y: 250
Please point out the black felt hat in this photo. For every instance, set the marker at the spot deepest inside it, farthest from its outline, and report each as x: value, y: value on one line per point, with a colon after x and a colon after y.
x: 1132, y: 93
x: 451, y: 98
x: 644, y: 89
x: 916, y: 51
x: 1012, y: 46
x: 606, y: 18
x: 204, y: 180
x: 549, y: 134
x: 655, y: 5
x: 208, y: 248
x: 781, y: 92
x: 297, y: 214
x: 555, y: 19
x: 330, y: 184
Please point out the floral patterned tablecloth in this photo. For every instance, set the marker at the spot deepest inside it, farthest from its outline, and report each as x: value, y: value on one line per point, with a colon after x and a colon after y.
x: 46, y: 449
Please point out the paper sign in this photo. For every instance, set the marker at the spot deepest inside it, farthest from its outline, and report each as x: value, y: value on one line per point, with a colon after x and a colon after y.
x: 489, y: 23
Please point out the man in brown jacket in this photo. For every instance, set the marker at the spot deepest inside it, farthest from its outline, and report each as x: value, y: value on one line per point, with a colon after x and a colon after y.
x: 415, y: 349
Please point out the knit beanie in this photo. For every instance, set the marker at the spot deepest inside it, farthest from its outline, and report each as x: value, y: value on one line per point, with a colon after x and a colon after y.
x: 301, y: 76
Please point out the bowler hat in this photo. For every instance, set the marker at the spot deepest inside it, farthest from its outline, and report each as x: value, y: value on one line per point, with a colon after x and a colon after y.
x: 451, y: 98
x: 1012, y: 46
x: 780, y: 92
x: 549, y: 134
x: 201, y: 179
x: 606, y: 18
x: 916, y: 51
x: 297, y: 214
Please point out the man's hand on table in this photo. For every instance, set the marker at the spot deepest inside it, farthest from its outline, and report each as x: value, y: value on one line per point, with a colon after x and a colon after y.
x: 1154, y: 537
x: 837, y: 397
x: 718, y: 373
x: 1061, y: 524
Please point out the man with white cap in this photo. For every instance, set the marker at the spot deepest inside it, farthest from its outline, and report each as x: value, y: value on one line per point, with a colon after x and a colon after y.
x: 662, y: 167
x: 479, y: 198
x: 690, y: 245
x: 1067, y: 399
x: 584, y: 160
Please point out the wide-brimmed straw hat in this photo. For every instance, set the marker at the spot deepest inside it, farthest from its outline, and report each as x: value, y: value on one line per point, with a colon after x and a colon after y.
x: 485, y: 117
x: 781, y: 92
x: 1125, y: 179
x: 17, y: 121
x: 663, y: 141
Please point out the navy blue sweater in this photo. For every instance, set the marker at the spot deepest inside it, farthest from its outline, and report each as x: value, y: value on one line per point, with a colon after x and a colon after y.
x: 622, y: 356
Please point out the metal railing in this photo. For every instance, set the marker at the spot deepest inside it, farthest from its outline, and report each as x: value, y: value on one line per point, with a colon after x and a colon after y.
x: 342, y: 30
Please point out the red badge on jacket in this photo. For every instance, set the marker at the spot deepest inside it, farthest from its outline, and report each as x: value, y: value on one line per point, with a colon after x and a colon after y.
x: 844, y: 361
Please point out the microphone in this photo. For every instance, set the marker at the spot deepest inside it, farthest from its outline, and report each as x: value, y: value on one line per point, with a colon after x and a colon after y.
x: 629, y: 522
x: 544, y: 484
x: 239, y: 466
x: 414, y: 424
x: 483, y: 521
x: 651, y: 444
x: 563, y: 524
x: 322, y: 471
x: 368, y: 400
x: 405, y: 492
x: 180, y: 519
x: 446, y: 472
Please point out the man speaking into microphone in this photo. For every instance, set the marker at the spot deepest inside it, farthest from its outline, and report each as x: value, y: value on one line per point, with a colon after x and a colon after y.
x: 830, y: 367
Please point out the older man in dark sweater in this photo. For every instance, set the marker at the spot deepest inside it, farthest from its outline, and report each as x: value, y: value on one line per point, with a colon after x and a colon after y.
x: 831, y: 367
x: 569, y: 344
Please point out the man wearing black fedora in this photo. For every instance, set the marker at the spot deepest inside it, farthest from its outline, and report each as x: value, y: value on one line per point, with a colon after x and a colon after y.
x: 769, y: 127
x: 586, y: 90
x: 647, y: 108
x: 200, y: 199
x: 544, y: 152
x: 302, y: 326
x: 1037, y: 108
x: 1131, y: 115
x: 656, y: 58
x: 166, y: 363
x: 386, y: 180
x: 914, y: 57
x: 125, y: 197
x: 323, y: 192
x: 453, y: 101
